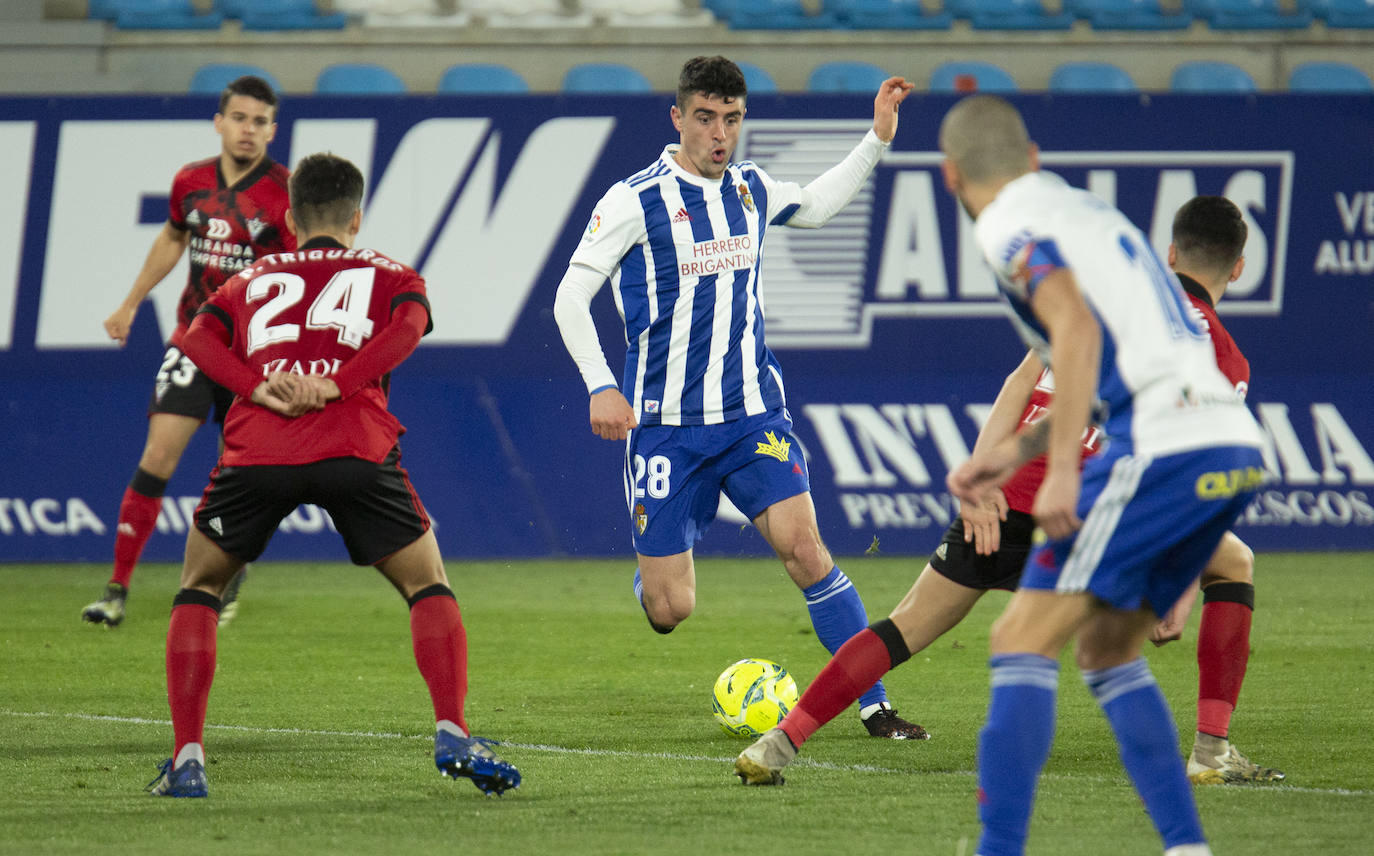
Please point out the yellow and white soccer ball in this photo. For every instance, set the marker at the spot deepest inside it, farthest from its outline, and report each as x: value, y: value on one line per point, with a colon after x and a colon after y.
x: 752, y: 696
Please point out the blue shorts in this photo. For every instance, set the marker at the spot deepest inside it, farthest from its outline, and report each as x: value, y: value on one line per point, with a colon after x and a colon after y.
x: 1149, y: 525
x: 674, y: 476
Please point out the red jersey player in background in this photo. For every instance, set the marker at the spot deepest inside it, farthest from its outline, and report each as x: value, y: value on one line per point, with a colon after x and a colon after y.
x: 228, y: 210
x: 1206, y: 254
x: 306, y: 340
x: 986, y: 547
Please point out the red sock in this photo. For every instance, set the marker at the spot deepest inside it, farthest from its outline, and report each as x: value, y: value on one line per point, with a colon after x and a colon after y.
x: 441, y: 652
x: 190, y: 667
x: 137, y: 518
x: 858, y: 665
x: 1223, y: 650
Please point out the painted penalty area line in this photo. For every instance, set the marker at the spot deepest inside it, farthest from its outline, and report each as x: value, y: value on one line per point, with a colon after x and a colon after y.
x: 614, y: 753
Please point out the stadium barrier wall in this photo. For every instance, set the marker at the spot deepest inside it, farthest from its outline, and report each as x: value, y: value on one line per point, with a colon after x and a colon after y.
x: 892, y: 340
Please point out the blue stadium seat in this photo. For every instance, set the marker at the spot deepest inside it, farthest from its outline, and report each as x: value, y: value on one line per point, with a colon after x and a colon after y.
x: 605, y: 77
x: 1350, y: 14
x: 1248, y: 15
x: 887, y: 15
x: 1209, y: 76
x: 104, y: 10
x: 482, y: 78
x: 971, y: 76
x: 1014, y: 15
x: 163, y: 15
x: 759, y: 81
x: 211, y: 78
x: 1328, y: 77
x: 846, y: 76
x: 358, y: 78
x: 1128, y: 15
x: 282, y: 15
x: 772, y: 15
x: 1090, y: 77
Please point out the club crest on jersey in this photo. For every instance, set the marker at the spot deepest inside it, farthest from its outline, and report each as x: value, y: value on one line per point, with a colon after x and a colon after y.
x: 255, y: 226
x: 641, y: 518
x: 774, y: 448
x: 745, y: 197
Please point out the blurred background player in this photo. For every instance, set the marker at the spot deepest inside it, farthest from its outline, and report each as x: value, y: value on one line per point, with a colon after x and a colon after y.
x: 229, y: 210
x: 986, y: 547
x: 1126, y: 538
x: 326, y: 438
x: 1207, y: 254
x: 680, y: 242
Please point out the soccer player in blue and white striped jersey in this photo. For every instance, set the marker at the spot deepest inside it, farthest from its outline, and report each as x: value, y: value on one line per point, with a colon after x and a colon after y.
x: 701, y: 400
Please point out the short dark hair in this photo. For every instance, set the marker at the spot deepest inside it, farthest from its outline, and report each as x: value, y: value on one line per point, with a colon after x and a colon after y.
x: 252, y: 86
x: 325, y: 192
x: 1209, y: 233
x: 710, y: 75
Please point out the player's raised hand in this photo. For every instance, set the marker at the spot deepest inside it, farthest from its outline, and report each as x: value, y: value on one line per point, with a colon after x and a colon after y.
x: 891, y: 94
x: 118, y: 324
x: 612, y: 416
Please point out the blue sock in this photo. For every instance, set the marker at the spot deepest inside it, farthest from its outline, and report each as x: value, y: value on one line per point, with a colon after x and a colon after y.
x: 1148, y: 740
x: 837, y: 613
x: 1012, y: 748
x: 639, y: 590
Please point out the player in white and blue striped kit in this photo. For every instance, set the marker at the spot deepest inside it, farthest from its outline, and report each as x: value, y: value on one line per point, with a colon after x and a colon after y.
x: 702, y: 399
x: 1179, y: 461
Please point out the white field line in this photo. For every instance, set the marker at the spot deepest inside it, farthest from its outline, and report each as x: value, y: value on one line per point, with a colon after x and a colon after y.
x: 617, y: 753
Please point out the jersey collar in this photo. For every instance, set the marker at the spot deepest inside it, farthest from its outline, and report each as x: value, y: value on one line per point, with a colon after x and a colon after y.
x: 1194, y: 288
x: 669, y: 153
x: 322, y: 242
x: 248, y: 180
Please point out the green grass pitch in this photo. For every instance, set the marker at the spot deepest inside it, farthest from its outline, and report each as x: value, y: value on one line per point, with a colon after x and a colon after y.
x: 319, y: 728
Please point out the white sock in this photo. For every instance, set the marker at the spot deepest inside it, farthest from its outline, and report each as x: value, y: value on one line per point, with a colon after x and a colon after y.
x: 451, y: 727
x: 189, y: 752
x: 868, y: 710
x: 1200, y: 849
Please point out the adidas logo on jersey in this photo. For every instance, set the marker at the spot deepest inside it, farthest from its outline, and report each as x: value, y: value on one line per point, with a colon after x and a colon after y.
x: 682, y: 216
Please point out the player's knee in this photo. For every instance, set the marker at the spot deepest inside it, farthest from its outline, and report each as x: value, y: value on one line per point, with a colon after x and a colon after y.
x: 1234, y: 562
x: 668, y: 611
x: 807, y: 560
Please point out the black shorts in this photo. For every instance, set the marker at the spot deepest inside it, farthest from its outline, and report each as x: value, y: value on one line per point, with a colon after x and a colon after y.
x: 184, y: 390
x: 373, y: 506
x: 956, y: 559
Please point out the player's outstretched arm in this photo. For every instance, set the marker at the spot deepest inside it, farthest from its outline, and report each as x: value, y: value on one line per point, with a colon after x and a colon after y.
x: 890, y: 95
x: 162, y: 257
